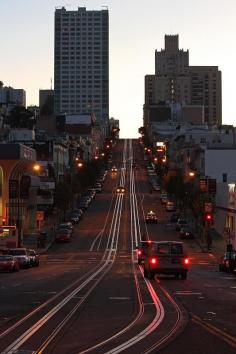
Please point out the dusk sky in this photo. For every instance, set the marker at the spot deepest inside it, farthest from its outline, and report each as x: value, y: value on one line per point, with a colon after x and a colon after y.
x: 206, y: 27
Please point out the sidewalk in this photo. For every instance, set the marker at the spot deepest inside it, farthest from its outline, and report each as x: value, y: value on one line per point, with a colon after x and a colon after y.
x: 218, y: 247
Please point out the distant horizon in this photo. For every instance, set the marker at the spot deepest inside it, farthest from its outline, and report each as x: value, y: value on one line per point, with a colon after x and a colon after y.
x: 136, y: 31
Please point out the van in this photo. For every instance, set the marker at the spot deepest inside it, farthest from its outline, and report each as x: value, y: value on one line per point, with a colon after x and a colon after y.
x: 166, y: 257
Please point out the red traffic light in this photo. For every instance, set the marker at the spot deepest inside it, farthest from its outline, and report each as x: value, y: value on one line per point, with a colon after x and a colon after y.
x: 208, y: 217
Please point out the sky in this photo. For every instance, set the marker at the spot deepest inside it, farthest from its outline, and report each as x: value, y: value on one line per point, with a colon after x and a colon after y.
x: 137, y: 28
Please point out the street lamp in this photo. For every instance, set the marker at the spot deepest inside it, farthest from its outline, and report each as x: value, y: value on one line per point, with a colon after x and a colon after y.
x: 192, y: 174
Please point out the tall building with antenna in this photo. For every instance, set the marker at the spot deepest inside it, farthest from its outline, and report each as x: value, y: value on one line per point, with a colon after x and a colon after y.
x: 81, y: 62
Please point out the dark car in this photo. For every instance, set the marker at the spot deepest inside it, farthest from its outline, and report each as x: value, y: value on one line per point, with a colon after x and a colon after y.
x: 166, y: 257
x: 151, y: 217
x: 83, y: 205
x: 66, y: 225
x: 63, y: 235
x: 181, y: 223
x: 175, y: 217
x: 228, y: 262
x: 9, y: 263
x: 74, y: 218
x: 142, y: 250
x: 186, y: 232
x: 34, y: 258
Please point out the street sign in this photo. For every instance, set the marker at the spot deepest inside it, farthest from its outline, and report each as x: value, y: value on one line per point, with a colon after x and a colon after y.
x: 40, y: 215
x: 208, y: 207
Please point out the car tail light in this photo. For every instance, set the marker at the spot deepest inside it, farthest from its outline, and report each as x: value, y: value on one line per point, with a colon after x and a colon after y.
x: 153, y: 260
x: 186, y: 261
x: 139, y: 252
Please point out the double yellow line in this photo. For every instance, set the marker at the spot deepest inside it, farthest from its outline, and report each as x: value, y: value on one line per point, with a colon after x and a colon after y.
x: 215, y: 331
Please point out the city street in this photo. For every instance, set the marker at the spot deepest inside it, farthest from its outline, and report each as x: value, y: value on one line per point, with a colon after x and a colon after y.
x: 90, y: 295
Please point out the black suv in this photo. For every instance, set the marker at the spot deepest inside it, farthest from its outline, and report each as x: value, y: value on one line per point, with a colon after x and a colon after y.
x: 228, y: 262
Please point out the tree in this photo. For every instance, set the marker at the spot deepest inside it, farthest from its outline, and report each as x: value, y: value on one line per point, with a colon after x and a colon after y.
x: 20, y: 117
x: 63, y: 196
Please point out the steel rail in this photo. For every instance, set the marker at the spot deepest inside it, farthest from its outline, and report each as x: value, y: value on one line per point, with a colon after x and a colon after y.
x: 33, y: 329
x: 179, y: 324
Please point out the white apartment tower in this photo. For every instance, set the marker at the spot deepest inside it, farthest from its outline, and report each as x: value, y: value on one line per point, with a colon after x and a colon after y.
x: 81, y: 80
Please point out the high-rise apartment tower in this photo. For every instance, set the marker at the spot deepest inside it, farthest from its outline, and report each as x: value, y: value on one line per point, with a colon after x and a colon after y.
x: 81, y: 67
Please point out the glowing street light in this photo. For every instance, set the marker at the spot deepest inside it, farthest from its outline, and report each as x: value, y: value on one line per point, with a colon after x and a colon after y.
x: 80, y: 164
x: 191, y: 174
x: 36, y: 167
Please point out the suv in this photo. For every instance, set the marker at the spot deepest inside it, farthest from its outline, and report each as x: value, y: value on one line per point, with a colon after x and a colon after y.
x: 166, y: 257
x: 22, y: 255
x: 142, y: 250
x: 228, y: 262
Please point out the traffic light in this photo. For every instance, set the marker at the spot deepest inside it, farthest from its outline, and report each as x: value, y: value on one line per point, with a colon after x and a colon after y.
x: 208, y: 218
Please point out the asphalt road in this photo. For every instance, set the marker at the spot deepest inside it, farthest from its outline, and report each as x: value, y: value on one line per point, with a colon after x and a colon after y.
x: 90, y: 295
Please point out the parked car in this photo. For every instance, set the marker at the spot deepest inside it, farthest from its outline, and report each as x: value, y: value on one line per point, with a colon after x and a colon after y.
x: 74, y: 218
x: 22, y: 256
x: 98, y: 188
x: 34, y: 258
x: 186, y: 232
x: 83, y: 204
x: 151, y: 217
x: 180, y: 223
x: 228, y: 262
x: 156, y: 187
x: 66, y: 225
x: 78, y: 212
x: 174, y: 217
x: 91, y: 192
x: 63, y: 235
x: 166, y: 257
x: 86, y: 198
x: 164, y: 198
x: 142, y: 250
x: 9, y: 263
x: 170, y: 206
x: 120, y: 190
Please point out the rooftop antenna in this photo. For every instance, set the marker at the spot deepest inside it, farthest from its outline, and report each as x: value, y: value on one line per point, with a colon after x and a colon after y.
x: 106, y: 7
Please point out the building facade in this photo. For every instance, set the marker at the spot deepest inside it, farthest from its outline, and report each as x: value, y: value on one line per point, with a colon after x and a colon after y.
x: 11, y: 96
x: 176, y: 82
x: 81, y: 62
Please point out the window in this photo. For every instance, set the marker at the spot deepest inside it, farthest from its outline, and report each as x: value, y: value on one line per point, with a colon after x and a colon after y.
x: 176, y: 248
x: 163, y: 248
x: 224, y: 176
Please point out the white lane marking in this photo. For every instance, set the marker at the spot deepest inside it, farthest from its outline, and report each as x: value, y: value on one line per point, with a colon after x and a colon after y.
x: 187, y: 293
x: 119, y: 298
